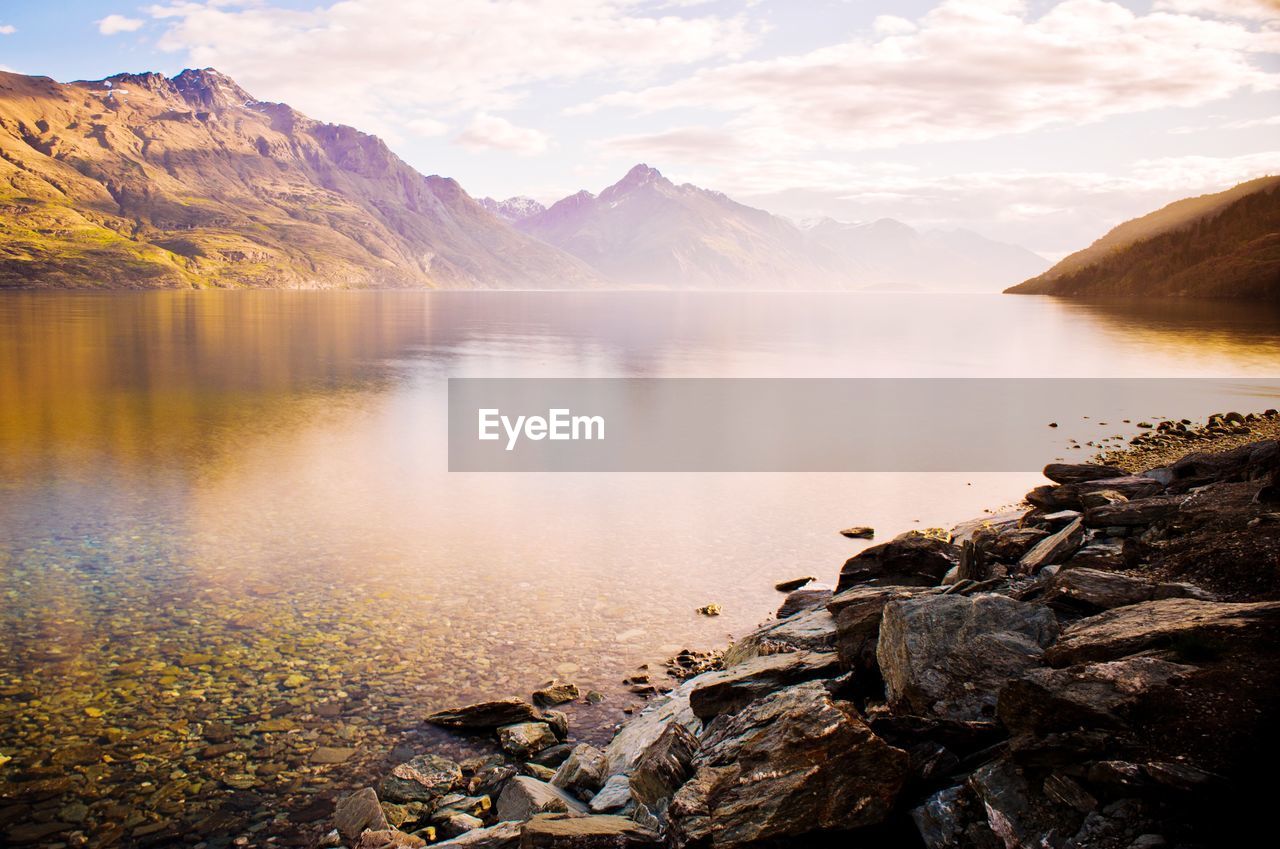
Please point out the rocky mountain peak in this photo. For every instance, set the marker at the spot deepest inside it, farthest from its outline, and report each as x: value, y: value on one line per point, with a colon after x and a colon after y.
x: 639, y: 176
x: 210, y: 89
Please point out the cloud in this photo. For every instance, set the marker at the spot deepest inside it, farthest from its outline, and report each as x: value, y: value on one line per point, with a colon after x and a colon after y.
x: 115, y: 24
x: 490, y: 132
x: 7, y: 29
x: 1259, y: 10
x: 367, y: 62
x: 426, y: 127
x: 971, y: 69
x: 1245, y: 124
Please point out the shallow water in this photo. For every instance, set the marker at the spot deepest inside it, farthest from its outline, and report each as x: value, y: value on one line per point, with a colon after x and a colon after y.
x: 233, y: 508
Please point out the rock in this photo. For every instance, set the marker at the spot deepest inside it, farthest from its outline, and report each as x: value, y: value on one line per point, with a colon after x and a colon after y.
x: 1016, y: 813
x: 1156, y: 624
x: 1102, y: 498
x: 664, y: 767
x: 455, y: 824
x: 1095, y: 695
x: 945, y: 816
x: 614, y: 797
x: 811, y: 630
x: 389, y: 839
x: 793, y: 584
x: 1009, y: 546
x: 456, y: 803
x: 726, y: 691
x: 525, y: 739
x: 422, y: 779
x: 489, y: 782
x: 911, y: 559
x: 504, y: 835
x: 814, y: 595
x: 635, y: 738
x: 857, y: 621
x: 1069, y: 496
x: 357, y: 812
x: 331, y: 755
x: 859, y: 532
x: 1079, y: 472
x: 556, y: 831
x: 1054, y: 548
x: 553, y: 756
x: 1105, y: 554
x: 832, y: 773
x: 1142, y: 511
x: 583, y: 772
x: 558, y: 721
x: 1092, y: 590
x: 538, y: 771
x: 524, y: 796
x: 710, y: 609
x: 486, y: 715
x: 947, y: 655
x: 556, y: 693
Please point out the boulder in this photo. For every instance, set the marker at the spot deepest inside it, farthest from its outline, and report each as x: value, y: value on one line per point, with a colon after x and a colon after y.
x: 947, y: 655
x: 553, y: 756
x: 642, y: 731
x: 614, y: 797
x: 1128, y: 630
x: 1092, y: 590
x: 582, y: 773
x: 422, y: 779
x: 1070, y: 496
x: 1142, y: 511
x: 486, y: 715
x: 504, y: 835
x: 1009, y: 546
x: 910, y: 559
x: 1107, y: 554
x: 1198, y: 469
x: 789, y: 764
x: 556, y: 831
x: 525, y: 739
x: 1093, y: 695
x: 1080, y: 472
x: 357, y: 812
x: 524, y: 796
x: 455, y: 823
x: 951, y: 819
x: 812, y: 630
x: 556, y: 693
x: 664, y: 767
x: 1017, y: 813
x: 858, y: 532
x: 793, y: 584
x: 1102, y: 498
x: 389, y: 838
x: 805, y: 598
x: 728, y: 690
x: 857, y: 621
x: 1054, y: 548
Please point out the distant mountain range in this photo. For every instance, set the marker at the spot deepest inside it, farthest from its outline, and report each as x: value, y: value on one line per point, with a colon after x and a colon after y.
x: 1224, y: 245
x: 645, y: 230
x: 144, y: 181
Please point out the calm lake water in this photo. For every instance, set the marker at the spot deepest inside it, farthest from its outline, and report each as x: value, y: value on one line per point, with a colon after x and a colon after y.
x: 226, y: 520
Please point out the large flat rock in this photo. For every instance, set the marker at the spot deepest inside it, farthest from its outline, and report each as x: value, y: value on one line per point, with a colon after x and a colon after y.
x: 557, y: 831
x: 729, y: 690
x: 812, y: 629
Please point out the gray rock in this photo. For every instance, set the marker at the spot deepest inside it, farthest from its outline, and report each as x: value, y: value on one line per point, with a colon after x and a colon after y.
x: 1016, y: 813
x: 614, y: 797
x: 582, y: 773
x: 357, y: 812
x: 551, y: 831
x: 812, y: 630
x: 643, y: 730
x: 944, y: 817
x: 504, y: 835
x: 805, y: 598
x: 833, y: 773
x: 1009, y: 546
x: 524, y: 796
x: 559, y: 722
x: 947, y: 655
x: 1080, y: 472
x: 1142, y: 511
x: 455, y: 824
x: 486, y: 715
x: 422, y: 779
x: 1054, y: 548
x: 664, y: 767
x: 728, y: 690
x: 1106, y: 554
x: 553, y: 756
x: 525, y: 739
x: 857, y: 621
x: 1128, y: 630
x: 1093, y: 590
x: 910, y: 559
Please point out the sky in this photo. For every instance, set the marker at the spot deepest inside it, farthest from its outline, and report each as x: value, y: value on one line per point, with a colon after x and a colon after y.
x: 1042, y: 123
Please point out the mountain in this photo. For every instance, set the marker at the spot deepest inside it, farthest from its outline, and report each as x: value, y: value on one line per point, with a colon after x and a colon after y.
x: 513, y: 209
x: 887, y: 254
x: 1224, y: 245
x: 646, y: 230
x: 140, y: 180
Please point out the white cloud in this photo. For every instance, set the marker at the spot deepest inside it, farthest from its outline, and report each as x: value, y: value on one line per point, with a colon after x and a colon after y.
x: 491, y: 132
x: 115, y: 24
x: 426, y: 127
x: 1259, y: 10
x: 973, y: 69
x: 7, y: 29
x: 367, y: 62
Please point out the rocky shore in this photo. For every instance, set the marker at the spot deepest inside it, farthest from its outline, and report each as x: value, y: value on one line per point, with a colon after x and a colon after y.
x: 1099, y: 669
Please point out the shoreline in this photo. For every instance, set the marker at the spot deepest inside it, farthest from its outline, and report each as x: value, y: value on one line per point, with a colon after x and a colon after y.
x: 956, y: 690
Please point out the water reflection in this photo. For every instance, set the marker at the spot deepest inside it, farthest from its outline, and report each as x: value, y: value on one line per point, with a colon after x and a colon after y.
x: 230, y: 511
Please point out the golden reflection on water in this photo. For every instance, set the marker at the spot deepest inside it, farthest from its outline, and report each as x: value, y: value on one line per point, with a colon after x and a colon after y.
x: 233, y: 508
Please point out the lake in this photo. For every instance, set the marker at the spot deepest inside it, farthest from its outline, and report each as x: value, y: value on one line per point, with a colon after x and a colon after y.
x: 228, y: 535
